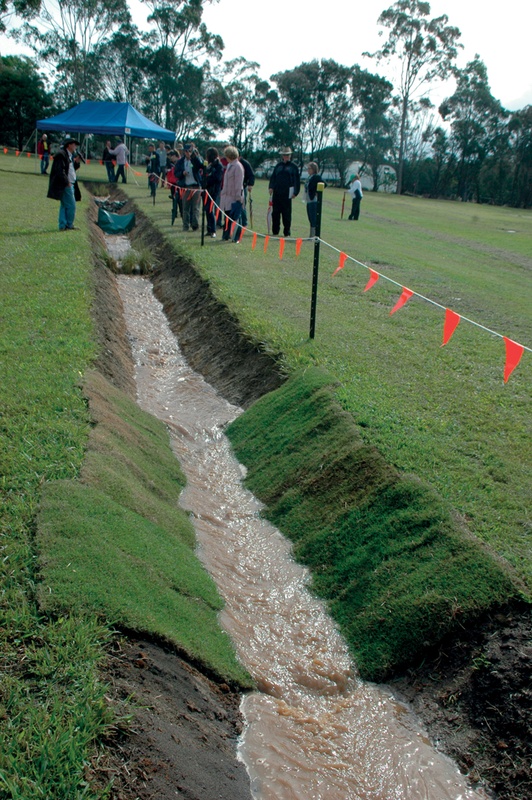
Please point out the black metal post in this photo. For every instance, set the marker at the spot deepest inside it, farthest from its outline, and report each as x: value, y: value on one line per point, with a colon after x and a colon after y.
x: 203, y: 195
x: 320, y: 187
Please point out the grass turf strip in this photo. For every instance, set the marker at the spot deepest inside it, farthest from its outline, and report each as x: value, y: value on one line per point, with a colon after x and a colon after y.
x: 384, y: 549
x: 52, y: 706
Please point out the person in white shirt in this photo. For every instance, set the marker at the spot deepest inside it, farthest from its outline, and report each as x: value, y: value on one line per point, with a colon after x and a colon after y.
x: 121, y: 153
x: 355, y: 190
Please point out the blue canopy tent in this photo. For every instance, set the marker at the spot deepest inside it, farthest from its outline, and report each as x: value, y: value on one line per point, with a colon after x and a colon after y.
x: 107, y: 119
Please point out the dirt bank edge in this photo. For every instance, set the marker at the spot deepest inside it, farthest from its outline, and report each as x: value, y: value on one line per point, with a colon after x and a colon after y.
x: 449, y: 690
x: 179, y: 735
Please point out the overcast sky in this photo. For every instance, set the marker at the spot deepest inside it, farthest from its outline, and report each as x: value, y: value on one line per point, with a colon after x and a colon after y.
x: 280, y: 34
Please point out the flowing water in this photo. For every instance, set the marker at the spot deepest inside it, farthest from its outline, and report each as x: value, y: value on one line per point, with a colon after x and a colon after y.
x: 313, y: 730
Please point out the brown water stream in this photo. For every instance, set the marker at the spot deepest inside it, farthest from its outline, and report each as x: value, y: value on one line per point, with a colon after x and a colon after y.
x: 313, y: 731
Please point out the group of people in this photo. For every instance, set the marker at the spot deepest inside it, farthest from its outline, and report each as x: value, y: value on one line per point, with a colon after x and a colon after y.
x: 228, y: 180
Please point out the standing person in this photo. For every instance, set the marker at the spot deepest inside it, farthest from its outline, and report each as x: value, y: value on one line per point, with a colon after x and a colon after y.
x: 249, y: 182
x: 62, y: 182
x: 284, y: 186
x: 232, y: 196
x: 355, y: 190
x: 153, y: 168
x: 311, y: 195
x: 43, y: 151
x: 162, y: 152
x: 107, y: 159
x: 121, y: 152
x: 188, y: 171
x: 213, y: 183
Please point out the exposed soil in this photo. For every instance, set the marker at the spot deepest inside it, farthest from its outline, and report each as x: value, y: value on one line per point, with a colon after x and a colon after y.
x: 475, y: 696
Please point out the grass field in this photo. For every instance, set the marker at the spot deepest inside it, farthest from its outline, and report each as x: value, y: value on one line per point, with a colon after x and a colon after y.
x: 441, y: 413
x: 53, y: 706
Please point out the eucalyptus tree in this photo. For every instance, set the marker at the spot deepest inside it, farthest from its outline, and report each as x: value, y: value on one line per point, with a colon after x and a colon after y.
x: 244, y: 117
x: 425, y: 50
x: 478, y: 125
x: 180, y: 44
x: 121, y: 61
x: 520, y: 129
x: 11, y: 9
x: 67, y: 36
x: 305, y: 105
x: 372, y: 95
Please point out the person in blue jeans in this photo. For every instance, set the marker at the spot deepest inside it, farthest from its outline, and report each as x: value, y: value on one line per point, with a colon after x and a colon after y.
x: 107, y: 159
x: 62, y: 180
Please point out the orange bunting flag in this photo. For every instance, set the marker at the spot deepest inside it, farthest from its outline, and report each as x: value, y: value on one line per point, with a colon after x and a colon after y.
x: 233, y: 226
x: 254, y: 241
x: 374, y: 277
x: 101, y: 163
x: 266, y: 240
x: 226, y: 222
x: 5, y: 151
x: 218, y: 212
x: 211, y: 205
x: 242, y: 232
x: 88, y: 161
x: 341, y: 263
x: 407, y: 294
x: 514, y: 351
x: 205, y: 198
x: 451, y: 322
x: 17, y: 153
x: 281, y: 248
x: 299, y: 242
x: 29, y: 155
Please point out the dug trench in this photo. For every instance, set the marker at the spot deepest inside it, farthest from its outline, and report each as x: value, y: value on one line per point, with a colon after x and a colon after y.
x: 472, y: 691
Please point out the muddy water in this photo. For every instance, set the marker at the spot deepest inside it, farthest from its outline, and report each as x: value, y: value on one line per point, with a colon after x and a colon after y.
x: 313, y: 731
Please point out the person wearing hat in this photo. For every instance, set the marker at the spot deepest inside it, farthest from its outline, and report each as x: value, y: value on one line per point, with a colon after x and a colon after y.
x: 62, y: 183
x: 355, y: 190
x: 284, y: 186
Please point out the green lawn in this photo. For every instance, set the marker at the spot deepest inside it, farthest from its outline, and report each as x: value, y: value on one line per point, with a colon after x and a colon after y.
x: 441, y: 413
x: 53, y: 706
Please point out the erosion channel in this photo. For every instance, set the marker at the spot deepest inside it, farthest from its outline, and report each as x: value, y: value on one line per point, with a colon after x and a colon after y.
x: 313, y: 730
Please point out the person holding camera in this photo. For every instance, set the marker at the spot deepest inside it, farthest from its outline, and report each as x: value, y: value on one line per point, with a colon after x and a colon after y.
x: 63, y: 181
x: 188, y: 171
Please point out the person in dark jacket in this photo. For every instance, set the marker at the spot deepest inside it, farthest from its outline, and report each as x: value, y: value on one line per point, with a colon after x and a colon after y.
x: 213, y: 185
x: 249, y: 182
x: 62, y: 182
x: 284, y: 186
x: 311, y: 195
x: 153, y: 168
x: 107, y: 159
x: 188, y: 171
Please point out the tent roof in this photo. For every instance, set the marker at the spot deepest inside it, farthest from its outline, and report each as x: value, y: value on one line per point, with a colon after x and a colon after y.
x: 105, y: 118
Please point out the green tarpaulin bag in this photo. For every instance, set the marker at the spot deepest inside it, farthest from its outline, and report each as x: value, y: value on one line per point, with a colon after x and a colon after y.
x: 115, y: 223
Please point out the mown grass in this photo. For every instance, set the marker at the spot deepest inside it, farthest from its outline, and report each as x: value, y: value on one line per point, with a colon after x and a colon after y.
x: 52, y: 701
x: 384, y: 549
x: 440, y: 413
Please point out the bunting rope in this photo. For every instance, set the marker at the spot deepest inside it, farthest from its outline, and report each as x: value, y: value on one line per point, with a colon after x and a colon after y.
x: 514, y: 350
